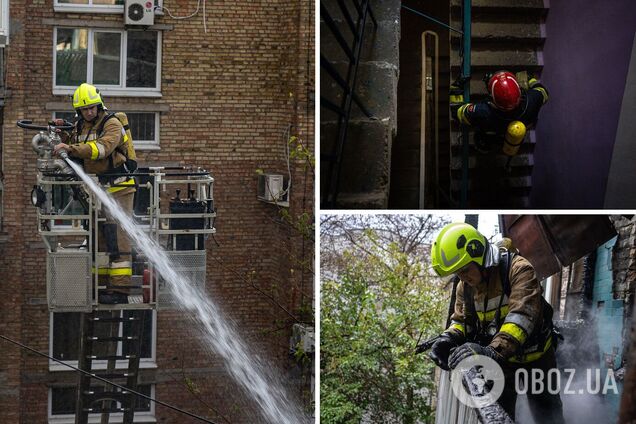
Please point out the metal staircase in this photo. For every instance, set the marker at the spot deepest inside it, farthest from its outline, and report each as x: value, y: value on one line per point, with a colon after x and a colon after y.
x: 345, y: 22
x: 505, y: 35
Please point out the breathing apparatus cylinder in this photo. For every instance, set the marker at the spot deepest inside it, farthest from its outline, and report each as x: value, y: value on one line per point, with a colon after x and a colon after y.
x: 515, y: 134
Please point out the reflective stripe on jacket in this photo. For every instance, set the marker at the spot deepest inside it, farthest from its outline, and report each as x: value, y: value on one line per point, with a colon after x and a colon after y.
x: 99, y: 153
x: 521, y: 313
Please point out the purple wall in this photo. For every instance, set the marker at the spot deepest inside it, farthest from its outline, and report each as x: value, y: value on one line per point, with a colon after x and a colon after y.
x: 586, y: 56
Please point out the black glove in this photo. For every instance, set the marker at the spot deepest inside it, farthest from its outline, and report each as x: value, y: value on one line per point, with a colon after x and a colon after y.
x: 441, y: 350
x: 469, y: 349
x: 486, y: 78
x: 456, y: 91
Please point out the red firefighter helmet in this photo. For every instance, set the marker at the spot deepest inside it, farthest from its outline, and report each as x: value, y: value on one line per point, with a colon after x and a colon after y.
x: 504, y: 90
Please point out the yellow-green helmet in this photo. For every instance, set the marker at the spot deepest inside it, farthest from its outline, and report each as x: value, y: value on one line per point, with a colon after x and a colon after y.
x: 86, y: 95
x: 457, y: 245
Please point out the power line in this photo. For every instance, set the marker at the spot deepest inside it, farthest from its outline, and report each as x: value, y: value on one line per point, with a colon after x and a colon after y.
x: 107, y: 381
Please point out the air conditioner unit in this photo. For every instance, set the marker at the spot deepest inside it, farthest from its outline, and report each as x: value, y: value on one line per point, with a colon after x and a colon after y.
x: 271, y: 188
x: 139, y: 12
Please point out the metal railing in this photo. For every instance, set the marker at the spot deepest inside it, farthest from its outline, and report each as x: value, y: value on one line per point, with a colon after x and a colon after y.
x: 70, y: 235
x: 356, y: 26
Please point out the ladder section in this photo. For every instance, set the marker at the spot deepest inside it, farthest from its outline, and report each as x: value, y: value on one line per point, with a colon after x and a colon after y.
x: 112, y: 336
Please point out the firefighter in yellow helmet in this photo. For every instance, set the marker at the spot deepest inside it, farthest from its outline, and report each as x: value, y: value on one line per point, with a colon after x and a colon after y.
x: 499, y: 313
x: 99, y: 141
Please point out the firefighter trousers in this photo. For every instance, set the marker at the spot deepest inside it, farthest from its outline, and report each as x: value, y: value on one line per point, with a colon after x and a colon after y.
x: 112, y: 239
x: 545, y: 407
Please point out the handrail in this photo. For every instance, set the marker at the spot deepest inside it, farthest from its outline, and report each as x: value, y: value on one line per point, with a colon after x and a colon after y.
x: 423, y: 119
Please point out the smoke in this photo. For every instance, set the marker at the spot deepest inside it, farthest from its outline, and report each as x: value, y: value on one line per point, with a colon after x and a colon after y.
x: 578, y: 352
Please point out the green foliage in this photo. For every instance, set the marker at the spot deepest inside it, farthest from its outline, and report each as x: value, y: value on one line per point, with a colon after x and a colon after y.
x: 372, y: 313
x: 192, y: 386
x: 303, y: 223
x: 299, y: 151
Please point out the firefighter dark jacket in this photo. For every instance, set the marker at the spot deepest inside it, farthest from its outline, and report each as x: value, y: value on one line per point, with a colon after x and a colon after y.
x: 522, y: 335
x: 100, y: 152
x: 487, y: 118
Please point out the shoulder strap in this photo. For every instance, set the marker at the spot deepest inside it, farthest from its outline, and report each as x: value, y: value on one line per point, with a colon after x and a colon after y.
x: 470, y: 315
x: 100, y: 130
x: 79, y: 125
x: 504, y: 270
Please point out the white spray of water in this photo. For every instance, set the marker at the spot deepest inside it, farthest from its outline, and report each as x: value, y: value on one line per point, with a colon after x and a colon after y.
x: 218, y: 333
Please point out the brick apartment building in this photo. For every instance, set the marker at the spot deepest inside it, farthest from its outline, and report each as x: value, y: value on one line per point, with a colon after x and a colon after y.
x: 222, y: 99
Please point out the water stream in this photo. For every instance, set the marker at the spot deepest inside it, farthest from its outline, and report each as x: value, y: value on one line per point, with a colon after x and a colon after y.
x: 218, y: 334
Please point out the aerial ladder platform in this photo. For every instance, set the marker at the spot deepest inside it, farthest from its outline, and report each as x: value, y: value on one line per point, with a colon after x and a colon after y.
x: 174, y: 206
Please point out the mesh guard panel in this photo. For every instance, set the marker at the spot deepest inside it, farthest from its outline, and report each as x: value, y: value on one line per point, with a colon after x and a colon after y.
x: 189, y: 263
x: 69, y: 281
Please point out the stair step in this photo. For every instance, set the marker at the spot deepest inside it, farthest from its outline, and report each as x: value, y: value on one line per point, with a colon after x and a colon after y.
x: 110, y: 319
x: 108, y: 375
x: 112, y: 339
x: 501, y: 59
x: 110, y: 357
x: 502, y: 4
x: 507, y: 183
x: 502, y: 30
x: 106, y: 394
x: 368, y: 200
x: 499, y: 162
x: 105, y: 410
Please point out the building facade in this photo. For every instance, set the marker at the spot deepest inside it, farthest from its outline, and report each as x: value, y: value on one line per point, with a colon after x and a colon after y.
x: 229, y: 89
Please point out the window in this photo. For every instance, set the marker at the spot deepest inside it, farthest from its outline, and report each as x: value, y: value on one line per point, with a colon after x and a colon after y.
x: 62, y: 405
x: 65, y: 336
x: 144, y: 128
x: 120, y: 63
x: 4, y: 23
x: 95, y: 6
x: 68, y: 116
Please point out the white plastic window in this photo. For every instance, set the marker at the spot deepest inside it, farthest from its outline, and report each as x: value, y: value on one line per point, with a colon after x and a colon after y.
x: 119, y: 63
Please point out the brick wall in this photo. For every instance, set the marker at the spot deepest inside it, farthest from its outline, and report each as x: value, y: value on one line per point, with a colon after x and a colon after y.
x: 231, y: 93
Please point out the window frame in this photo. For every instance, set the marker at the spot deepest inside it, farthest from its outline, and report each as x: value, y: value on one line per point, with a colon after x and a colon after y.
x: 146, y: 363
x: 148, y: 145
x: 114, y: 9
x: 140, y: 145
x: 110, y: 90
x: 118, y: 417
x: 4, y: 22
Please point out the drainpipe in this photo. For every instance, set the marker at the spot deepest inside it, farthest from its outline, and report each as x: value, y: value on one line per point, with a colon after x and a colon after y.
x: 466, y: 75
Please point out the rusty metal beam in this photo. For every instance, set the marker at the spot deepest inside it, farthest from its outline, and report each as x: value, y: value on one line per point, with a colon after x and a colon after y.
x: 551, y: 242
